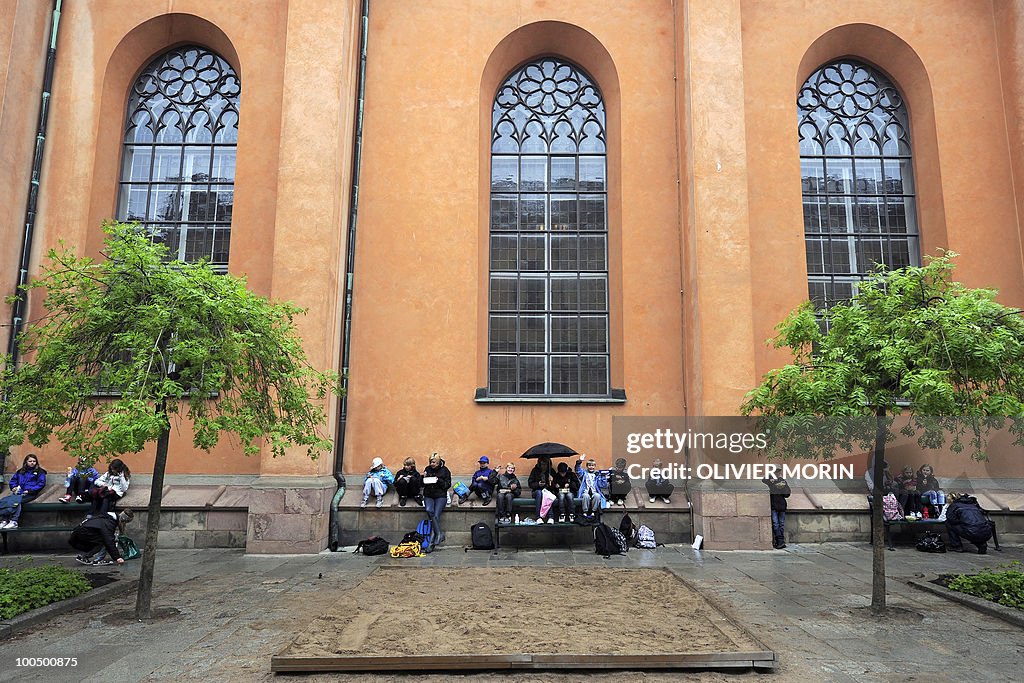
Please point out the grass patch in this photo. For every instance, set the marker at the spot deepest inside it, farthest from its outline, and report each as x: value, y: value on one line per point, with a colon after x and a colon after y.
x: 25, y: 589
x: 1003, y: 585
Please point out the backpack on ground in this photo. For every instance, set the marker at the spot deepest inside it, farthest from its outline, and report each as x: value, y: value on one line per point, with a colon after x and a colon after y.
x: 374, y: 545
x: 408, y: 549
x: 891, y: 510
x: 620, y: 541
x: 931, y: 543
x: 426, y: 529
x: 412, y: 536
x: 481, y: 536
x: 628, y: 529
x: 604, y: 541
x: 645, y: 537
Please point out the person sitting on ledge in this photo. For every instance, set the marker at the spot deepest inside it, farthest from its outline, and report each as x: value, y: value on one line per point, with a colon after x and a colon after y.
x: 78, y: 482
x: 966, y: 519
x: 409, y: 483
x: 567, y: 486
x: 26, y: 485
x: 542, y: 479
x: 483, y: 481
x: 929, y: 488
x: 508, y: 489
x: 376, y: 482
x: 657, y: 485
x: 592, y: 483
x: 619, y: 484
x: 910, y: 499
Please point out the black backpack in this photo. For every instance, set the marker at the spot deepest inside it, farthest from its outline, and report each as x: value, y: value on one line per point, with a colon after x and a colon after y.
x: 628, y: 529
x: 931, y: 543
x: 413, y: 537
x: 604, y: 540
x: 481, y: 536
x: 374, y: 545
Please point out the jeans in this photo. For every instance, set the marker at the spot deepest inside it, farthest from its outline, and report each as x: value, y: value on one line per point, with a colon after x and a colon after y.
x: 779, y: 524
x: 25, y: 498
x: 434, y: 508
x: 935, y: 497
x: 504, y: 500
x: 566, y: 503
x: 955, y: 531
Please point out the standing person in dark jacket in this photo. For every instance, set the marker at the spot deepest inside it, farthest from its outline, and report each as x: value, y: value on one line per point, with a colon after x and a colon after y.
x: 483, y: 481
x: 966, y: 519
x: 508, y: 489
x: 437, y: 479
x: 94, y: 534
x: 408, y: 483
x: 28, y: 482
x: 779, y: 490
x: 567, y: 486
x: 541, y: 479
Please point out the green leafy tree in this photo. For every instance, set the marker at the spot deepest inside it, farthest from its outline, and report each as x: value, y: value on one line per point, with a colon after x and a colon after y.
x: 913, y: 343
x: 134, y: 341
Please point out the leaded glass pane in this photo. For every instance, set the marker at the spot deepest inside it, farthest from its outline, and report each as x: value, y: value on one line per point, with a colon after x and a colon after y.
x: 548, y: 195
x: 181, y: 133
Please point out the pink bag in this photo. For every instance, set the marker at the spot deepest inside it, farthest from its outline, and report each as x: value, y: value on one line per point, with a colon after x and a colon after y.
x: 546, y: 499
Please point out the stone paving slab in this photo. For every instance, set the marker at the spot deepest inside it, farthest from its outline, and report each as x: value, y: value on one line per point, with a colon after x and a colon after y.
x: 806, y: 603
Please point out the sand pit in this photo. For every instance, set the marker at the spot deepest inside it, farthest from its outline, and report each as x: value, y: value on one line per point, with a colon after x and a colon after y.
x: 519, y: 616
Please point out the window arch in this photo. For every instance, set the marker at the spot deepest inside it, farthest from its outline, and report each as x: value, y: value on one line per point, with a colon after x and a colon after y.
x: 178, y: 162
x: 857, y: 179
x: 548, y: 322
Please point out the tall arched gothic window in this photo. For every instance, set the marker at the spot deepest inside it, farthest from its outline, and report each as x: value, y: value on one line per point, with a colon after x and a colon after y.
x: 548, y: 291
x: 178, y: 166
x: 858, y: 180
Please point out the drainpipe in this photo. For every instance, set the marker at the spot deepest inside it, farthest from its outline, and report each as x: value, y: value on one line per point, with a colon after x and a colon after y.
x: 18, y: 307
x: 346, y: 330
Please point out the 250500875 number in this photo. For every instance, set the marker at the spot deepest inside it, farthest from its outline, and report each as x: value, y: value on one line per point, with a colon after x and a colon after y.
x: 46, y: 661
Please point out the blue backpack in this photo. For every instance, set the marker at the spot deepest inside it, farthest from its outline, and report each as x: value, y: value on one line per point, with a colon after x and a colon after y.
x: 426, y: 529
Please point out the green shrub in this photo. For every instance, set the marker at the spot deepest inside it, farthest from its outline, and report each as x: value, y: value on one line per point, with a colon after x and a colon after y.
x: 1004, y: 584
x: 25, y: 589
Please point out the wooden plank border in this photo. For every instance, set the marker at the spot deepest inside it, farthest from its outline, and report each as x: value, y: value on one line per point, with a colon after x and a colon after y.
x: 282, y: 662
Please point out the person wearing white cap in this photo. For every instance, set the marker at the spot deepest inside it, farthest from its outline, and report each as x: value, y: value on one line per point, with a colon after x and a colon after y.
x: 376, y: 482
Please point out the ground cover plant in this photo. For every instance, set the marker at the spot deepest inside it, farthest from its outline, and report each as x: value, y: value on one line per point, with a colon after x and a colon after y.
x: 1003, y: 584
x: 27, y: 588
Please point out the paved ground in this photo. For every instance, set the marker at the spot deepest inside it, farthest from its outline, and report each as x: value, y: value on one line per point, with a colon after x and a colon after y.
x: 806, y: 603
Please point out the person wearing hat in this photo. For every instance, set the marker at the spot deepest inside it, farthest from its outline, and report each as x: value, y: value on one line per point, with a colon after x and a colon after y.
x: 376, y: 482
x: 483, y: 481
x: 409, y: 483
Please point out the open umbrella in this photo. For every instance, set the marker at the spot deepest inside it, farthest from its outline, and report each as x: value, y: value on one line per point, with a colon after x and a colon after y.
x: 551, y: 450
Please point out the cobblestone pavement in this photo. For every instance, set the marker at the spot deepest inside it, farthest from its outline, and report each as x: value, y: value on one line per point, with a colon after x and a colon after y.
x: 230, y: 612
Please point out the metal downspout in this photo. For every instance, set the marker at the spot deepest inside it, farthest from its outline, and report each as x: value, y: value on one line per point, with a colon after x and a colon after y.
x: 19, y: 305
x: 357, y: 155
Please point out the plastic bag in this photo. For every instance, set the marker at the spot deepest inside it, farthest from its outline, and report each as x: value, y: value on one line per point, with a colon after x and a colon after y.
x: 460, y: 489
x: 127, y: 548
x: 546, y: 499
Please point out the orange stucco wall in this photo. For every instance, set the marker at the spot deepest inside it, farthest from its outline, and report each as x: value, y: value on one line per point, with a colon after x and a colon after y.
x: 705, y: 219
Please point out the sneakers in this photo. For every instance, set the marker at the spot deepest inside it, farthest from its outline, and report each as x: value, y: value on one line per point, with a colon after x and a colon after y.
x: 66, y: 498
x: 380, y: 502
x: 419, y: 500
x: 561, y: 519
x: 11, y: 525
x: 665, y: 500
x: 983, y: 549
x: 551, y: 520
x: 78, y: 499
x: 82, y: 559
x: 402, y: 501
x: 572, y: 519
x: 651, y: 499
x: 363, y: 504
x: 486, y: 501
x: 105, y: 562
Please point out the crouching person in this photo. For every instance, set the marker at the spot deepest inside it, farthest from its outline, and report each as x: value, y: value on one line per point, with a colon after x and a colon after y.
x: 94, y: 535
x: 966, y: 519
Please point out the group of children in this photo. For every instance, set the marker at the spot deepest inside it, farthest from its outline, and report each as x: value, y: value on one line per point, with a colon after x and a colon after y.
x: 83, y: 484
x: 596, y: 489
x: 917, y: 492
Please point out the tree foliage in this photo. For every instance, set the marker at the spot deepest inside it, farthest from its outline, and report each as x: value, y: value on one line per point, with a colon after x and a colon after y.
x: 913, y: 342
x: 130, y: 341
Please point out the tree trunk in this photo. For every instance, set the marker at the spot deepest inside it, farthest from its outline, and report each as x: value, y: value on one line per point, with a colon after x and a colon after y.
x: 143, y: 601
x: 878, y: 529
